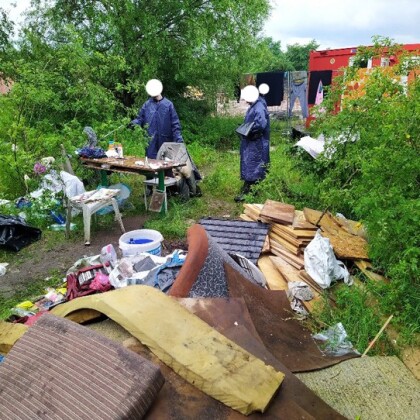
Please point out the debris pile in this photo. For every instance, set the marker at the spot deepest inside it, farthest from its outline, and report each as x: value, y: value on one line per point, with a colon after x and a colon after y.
x: 217, y: 337
x: 292, y: 230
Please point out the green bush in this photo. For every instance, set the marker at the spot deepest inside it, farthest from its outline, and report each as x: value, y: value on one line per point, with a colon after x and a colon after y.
x: 373, y: 176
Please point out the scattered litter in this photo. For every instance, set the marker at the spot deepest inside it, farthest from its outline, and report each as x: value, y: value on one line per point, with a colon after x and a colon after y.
x: 22, y: 312
x: 333, y: 341
x: 313, y: 146
x: 84, y: 262
x: 3, y: 268
x: 148, y: 269
x: 321, y: 264
x: 88, y: 280
x: 108, y: 255
x: 121, y: 198
x: 299, y: 291
x: 15, y: 233
x: 60, y: 226
x: 251, y: 269
x: 95, y: 195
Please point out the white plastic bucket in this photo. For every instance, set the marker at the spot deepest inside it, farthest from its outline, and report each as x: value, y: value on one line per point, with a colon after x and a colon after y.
x: 153, y: 247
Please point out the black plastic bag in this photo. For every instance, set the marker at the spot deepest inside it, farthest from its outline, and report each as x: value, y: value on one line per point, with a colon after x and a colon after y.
x: 245, y: 129
x: 15, y: 234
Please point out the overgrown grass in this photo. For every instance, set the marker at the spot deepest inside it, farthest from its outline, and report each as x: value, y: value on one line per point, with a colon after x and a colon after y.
x: 356, y: 310
x: 291, y: 180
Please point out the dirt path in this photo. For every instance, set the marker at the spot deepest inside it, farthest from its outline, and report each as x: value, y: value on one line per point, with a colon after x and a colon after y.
x: 42, y: 258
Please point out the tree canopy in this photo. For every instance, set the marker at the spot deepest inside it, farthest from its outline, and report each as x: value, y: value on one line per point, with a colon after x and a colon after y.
x: 186, y: 42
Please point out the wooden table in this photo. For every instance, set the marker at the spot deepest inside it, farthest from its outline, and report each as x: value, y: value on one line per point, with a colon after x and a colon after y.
x: 132, y: 165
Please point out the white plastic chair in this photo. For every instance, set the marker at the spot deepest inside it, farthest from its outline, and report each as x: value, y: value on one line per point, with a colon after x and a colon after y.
x: 90, y: 203
x: 176, y: 152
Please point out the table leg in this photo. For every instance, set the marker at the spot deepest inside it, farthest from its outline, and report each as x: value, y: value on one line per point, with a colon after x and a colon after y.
x: 161, y: 187
x: 104, y: 178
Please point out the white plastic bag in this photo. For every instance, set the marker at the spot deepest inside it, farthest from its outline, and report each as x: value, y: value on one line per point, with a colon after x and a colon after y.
x: 3, y: 268
x: 321, y: 264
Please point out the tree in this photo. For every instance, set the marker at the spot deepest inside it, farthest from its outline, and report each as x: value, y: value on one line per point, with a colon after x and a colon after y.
x: 268, y: 56
x: 184, y: 42
x: 298, y: 55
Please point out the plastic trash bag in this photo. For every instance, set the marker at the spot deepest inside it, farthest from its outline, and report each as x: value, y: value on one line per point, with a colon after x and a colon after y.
x: 334, y: 342
x: 254, y: 273
x: 321, y: 264
x: 3, y: 268
x: 15, y: 234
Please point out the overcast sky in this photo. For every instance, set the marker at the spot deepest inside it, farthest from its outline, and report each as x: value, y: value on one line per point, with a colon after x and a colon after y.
x: 343, y: 23
x: 332, y: 23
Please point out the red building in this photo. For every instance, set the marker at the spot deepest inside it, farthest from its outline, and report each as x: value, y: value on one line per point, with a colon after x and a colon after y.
x: 326, y: 64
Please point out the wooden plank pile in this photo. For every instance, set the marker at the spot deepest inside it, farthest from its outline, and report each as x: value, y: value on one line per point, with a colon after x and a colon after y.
x: 289, y: 232
x: 292, y: 230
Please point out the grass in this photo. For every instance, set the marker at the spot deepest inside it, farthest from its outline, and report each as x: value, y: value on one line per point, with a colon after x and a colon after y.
x: 359, y: 316
x: 220, y: 169
x: 35, y: 288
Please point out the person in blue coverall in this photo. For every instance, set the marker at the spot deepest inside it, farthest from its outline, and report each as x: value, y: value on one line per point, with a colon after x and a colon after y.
x: 253, y: 165
x: 263, y: 88
x: 158, y: 114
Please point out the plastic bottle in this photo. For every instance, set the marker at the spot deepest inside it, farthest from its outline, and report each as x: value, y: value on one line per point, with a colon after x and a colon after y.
x: 57, y: 226
x: 111, y: 145
x: 58, y: 218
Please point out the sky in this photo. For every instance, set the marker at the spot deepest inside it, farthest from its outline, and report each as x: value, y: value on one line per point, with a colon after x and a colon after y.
x: 343, y: 23
x: 332, y: 23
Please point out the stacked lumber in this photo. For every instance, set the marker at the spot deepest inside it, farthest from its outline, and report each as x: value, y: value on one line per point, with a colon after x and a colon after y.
x: 289, y: 234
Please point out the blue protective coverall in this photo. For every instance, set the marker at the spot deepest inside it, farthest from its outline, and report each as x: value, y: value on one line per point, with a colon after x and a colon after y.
x: 266, y: 150
x: 253, y: 148
x: 162, y: 124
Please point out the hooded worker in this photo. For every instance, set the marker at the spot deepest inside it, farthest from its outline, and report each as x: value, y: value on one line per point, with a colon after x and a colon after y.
x: 257, y: 129
x: 263, y: 88
x: 159, y: 115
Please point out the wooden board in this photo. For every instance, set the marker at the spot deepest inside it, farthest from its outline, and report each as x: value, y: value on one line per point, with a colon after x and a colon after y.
x: 290, y: 247
x: 347, y: 246
x: 286, y: 270
x: 266, y: 246
x: 291, y: 274
x: 287, y: 237
x: 300, y: 222
x: 304, y: 276
x: 352, y: 227
x: 296, y: 233
x: 278, y: 212
x: 312, y: 216
x: 366, y: 268
x: 327, y: 222
x: 292, y: 259
x: 246, y: 218
x: 252, y: 211
x: 275, y: 280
